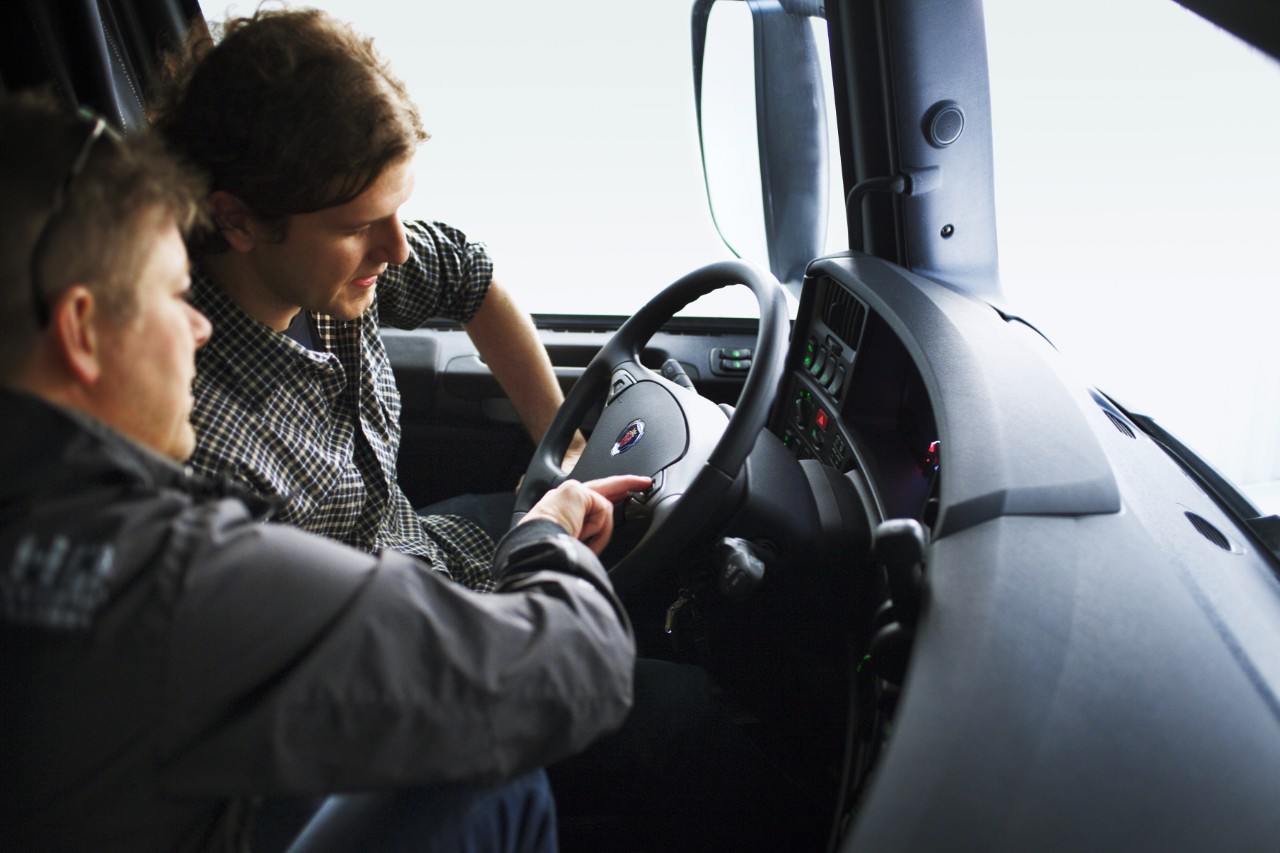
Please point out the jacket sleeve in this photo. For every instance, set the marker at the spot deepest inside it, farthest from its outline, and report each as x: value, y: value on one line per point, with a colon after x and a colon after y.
x: 297, y: 665
x: 446, y: 276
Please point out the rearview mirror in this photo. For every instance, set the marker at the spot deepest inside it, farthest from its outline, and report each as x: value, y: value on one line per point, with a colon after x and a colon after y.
x: 762, y: 128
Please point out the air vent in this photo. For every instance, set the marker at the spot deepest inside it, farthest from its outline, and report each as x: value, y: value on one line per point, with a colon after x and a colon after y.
x: 1208, y: 531
x: 843, y: 314
x: 1119, y: 423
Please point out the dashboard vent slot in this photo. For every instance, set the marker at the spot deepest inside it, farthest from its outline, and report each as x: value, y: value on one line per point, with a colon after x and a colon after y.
x: 1119, y: 423
x: 1208, y: 531
x: 843, y: 314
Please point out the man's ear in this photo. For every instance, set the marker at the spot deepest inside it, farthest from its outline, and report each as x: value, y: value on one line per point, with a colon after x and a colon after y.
x: 234, y: 220
x: 75, y: 337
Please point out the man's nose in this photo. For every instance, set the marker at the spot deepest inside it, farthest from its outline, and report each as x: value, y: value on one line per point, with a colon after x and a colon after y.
x: 393, y: 245
x: 201, y: 328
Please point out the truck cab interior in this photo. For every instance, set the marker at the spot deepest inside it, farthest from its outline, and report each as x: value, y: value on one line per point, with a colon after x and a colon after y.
x: 965, y: 597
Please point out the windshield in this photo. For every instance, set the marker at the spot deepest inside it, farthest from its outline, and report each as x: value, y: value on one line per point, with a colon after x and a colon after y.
x: 1137, y: 191
x: 1138, y: 199
x: 566, y: 142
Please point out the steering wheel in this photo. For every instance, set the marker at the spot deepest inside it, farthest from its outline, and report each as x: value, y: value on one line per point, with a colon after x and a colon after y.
x: 691, y: 447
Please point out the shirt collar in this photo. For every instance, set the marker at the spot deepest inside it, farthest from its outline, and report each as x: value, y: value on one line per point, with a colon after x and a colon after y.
x: 247, y: 352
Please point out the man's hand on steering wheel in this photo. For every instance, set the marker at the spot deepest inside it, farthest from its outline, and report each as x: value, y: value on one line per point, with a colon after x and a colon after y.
x: 649, y: 426
x: 586, y: 509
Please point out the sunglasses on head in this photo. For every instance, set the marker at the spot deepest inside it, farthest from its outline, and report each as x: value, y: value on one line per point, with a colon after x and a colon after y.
x: 95, y: 127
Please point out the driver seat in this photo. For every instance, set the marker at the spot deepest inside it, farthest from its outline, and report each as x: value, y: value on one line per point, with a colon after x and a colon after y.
x: 101, y: 54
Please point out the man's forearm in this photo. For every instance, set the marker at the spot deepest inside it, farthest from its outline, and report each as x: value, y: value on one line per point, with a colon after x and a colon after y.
x: 509, y: 344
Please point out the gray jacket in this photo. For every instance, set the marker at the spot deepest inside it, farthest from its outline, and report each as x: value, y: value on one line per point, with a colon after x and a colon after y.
x: 166, y: 657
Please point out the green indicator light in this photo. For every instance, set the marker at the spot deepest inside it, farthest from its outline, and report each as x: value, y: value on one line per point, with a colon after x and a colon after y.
x: 808, y: 359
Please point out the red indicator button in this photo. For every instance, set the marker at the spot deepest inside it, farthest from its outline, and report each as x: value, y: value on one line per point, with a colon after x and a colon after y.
x: 931, y: 457
x: 820, y: 419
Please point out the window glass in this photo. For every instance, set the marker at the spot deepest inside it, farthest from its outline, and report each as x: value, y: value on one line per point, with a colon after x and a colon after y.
x: 1138, y: 199
x: 729, y: 129
x: 565, y: 141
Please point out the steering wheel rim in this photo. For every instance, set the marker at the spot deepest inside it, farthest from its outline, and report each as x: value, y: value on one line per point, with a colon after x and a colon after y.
x: 706, y: 476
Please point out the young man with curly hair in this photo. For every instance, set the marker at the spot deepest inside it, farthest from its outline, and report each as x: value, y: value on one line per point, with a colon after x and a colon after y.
x: 308, y: 141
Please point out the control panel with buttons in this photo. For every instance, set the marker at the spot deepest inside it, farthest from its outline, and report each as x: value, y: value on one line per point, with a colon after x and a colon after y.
x: 828, y: 362
x: 813, y: 430
x: 731, y: 361
x: 811, y: 420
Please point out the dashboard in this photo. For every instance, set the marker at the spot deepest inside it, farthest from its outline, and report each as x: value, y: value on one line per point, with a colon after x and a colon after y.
x: 953, y: 413
x: 1088, y: 615
x: 853, y: 399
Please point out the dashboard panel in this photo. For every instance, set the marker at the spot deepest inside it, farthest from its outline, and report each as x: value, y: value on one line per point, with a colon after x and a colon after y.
x: 1083, y: 604
x: 853, y: 399
x: 953, y: 413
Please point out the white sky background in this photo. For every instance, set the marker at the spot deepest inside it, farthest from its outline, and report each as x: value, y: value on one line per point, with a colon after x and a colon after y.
x: 585, y: 184
x: 1138, y: 198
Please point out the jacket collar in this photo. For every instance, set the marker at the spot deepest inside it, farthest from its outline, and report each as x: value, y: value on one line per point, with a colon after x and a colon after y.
x: 56, y: 449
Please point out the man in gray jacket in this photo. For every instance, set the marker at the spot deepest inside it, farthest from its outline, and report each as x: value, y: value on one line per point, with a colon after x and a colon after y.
x: 157, y: 678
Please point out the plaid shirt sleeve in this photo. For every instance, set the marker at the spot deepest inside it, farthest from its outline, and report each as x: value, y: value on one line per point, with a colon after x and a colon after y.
x: 445, y: 276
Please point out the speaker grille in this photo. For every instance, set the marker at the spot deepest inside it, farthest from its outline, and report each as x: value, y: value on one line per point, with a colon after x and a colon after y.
x: 1119, y: 423
x: 1208, y: 531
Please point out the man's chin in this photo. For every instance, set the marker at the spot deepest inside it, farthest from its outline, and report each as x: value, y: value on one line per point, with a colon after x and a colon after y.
x: 182, y: 447
x: 351, y: 309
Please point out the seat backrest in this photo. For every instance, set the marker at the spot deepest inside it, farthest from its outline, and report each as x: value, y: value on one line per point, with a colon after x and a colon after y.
x: 96, y: 53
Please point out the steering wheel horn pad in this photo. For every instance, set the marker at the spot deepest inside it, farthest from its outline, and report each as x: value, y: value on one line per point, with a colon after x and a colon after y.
x: 641, y: 432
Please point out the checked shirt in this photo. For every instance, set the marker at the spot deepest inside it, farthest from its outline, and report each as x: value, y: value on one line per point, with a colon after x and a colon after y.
x: 319, y: 432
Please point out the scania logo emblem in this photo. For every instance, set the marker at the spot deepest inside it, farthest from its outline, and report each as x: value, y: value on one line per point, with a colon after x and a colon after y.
x: 628, y: 438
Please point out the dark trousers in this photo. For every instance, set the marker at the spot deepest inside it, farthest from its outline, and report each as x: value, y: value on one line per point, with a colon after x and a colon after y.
x: 492, y: 511
x: 515, y: 817
x: 678, y: 775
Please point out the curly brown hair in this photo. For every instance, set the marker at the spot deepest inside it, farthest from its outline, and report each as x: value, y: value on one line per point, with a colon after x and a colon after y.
x: 291, y: 111
x: 95, y: 238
